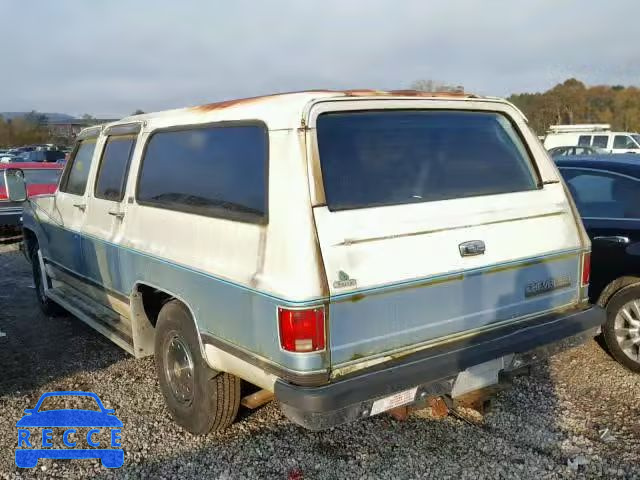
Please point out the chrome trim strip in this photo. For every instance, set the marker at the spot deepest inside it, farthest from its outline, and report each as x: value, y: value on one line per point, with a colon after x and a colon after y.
x: 122, y: 297
x: 348, y: 242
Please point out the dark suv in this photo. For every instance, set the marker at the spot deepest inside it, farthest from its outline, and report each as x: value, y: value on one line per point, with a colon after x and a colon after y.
x: 606, y: 190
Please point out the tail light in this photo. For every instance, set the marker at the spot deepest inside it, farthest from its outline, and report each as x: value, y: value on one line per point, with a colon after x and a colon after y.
x: 586, y: 268
x: 301, y: 330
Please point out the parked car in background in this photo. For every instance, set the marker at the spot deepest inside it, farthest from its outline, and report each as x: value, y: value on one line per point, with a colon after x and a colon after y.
x: 592, y: 135
x: 41, y: 178
x: 607, y: 194
x: 43, y: 156
x: 569, y: 151
x: 349, y: 252
x: 9, y: 158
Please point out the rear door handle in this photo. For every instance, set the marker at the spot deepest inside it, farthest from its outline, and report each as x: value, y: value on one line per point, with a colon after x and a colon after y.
x: 613, y: 239
x: 118, y: 215
x: 81, y: 206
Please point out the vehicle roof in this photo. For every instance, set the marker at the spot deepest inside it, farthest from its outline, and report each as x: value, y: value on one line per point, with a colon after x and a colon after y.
x: 628, y: 164
x: 283, y: 110
x: 592, y: 132
x: 573, y: 146
x: 33, y: 165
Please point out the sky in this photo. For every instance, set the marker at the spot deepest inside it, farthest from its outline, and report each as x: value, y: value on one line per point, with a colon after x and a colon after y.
x: 111, y: 57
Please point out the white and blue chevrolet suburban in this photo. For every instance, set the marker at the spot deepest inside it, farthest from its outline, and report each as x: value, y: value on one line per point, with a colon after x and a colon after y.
x: 347, y: 251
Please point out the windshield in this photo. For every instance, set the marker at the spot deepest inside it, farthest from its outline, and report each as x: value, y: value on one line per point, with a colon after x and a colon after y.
x: 41, y: 176
x: 65, y: 402
x: 390, y: 157
x: 636, y: 137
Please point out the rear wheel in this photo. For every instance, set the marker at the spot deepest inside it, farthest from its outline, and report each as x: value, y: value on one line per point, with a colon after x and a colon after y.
x: 48, y: 306
x: 622, y: 330
x: 199, y: 399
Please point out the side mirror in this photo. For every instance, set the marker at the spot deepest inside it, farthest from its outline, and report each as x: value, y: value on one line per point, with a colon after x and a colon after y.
x: 29, y: 411
x: 15, y: 184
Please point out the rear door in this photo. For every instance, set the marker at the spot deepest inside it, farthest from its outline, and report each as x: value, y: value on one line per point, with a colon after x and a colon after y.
x: 107, y: 207
x: 434, y: 223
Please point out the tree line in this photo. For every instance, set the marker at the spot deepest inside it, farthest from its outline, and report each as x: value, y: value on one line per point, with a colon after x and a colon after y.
x: 32, y: 128
x: 25, y: 130
x: 569, y: 102
x: 573, y: 102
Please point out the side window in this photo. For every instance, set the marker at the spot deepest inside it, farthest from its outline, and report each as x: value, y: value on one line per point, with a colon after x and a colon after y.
x: 623, y: 141
x: 603, y: 195
x: 584, y: 140
x: 218, y: 171
x: 114, y: 167
x: 77, y: 172
x: 600, y: 141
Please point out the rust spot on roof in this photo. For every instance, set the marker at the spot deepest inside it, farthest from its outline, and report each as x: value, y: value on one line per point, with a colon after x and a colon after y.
x: 418, y: 93
x: 224, y: 104
x: 363, y: 92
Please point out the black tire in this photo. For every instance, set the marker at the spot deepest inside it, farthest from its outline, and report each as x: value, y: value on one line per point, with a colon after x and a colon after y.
x: 615, y: 305
x: 215, y: 398
x: 48, y: 306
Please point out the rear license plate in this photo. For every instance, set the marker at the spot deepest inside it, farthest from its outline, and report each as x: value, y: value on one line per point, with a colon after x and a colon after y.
x: 393, y: 401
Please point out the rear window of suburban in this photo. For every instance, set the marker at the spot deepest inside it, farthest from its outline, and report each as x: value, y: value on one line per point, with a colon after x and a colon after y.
x: 218, y: 171
x: 391, y: 157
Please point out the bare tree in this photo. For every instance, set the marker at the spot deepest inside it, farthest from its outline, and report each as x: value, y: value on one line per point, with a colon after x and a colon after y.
x: 429, y: 85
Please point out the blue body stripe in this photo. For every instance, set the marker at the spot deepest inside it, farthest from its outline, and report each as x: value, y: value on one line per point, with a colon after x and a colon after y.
x: 393, y: 316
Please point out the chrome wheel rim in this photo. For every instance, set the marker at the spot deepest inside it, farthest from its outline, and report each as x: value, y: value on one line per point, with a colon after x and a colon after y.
x: 627, y: 329
x: 179, y: 369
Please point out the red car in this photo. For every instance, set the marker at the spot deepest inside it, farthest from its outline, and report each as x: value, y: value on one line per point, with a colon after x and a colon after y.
x: 42, y: 178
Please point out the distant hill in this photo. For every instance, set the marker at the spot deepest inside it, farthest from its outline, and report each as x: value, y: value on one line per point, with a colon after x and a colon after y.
x: 56, y: 117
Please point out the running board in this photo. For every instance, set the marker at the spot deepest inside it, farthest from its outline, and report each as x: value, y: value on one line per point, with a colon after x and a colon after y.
x: 110, y: 324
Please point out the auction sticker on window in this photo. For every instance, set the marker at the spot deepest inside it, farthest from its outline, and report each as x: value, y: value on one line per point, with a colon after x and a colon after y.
x: 393, y: 401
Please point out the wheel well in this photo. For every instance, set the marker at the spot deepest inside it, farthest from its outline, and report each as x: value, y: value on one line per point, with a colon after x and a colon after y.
x: 614, y: 287
x: 152, y: 301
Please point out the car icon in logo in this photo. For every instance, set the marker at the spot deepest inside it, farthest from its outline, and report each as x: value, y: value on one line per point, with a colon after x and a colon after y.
x: 35, y: 433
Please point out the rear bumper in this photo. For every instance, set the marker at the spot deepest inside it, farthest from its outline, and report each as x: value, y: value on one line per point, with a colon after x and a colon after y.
x: 434, y: 370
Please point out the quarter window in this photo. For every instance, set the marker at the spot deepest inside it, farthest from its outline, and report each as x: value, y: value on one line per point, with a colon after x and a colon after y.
x: 218, y: 171
x: 600, y: 141
x: 584, y: 140
x: 77, y: 173
x: 114, y: 167
x: 603, y: 195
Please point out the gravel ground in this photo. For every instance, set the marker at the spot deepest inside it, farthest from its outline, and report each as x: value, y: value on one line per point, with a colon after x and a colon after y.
x: 581, y: 408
